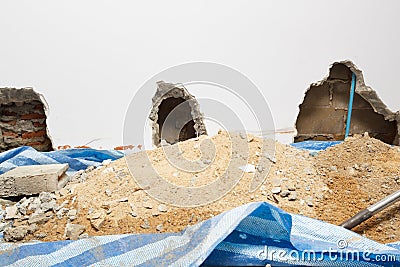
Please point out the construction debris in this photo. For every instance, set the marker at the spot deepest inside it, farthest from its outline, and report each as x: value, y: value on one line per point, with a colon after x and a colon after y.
x: 34, y: 179
x: 332, y: 186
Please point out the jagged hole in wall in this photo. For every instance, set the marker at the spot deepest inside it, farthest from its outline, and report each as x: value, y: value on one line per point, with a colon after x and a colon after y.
x: 323, y: 113
x: 179, y: 109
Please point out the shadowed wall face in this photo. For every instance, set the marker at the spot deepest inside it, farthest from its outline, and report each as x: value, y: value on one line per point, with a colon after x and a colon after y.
x: 175, y: 115
x: 180, y: 125
x: 323, y: 113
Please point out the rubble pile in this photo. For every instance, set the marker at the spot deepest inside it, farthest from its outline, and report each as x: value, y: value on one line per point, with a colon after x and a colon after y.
x: 107, y: 200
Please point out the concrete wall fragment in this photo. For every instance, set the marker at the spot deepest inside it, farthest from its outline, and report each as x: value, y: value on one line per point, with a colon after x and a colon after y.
x: 23, y: 114
x: 175, y: 114
x: 323, y: 113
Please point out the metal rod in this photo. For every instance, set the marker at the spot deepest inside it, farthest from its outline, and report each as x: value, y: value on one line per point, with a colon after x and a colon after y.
x: 350, y: 109
x: 371, y: 210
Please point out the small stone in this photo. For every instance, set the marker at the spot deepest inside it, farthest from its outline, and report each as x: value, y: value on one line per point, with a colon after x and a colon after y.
x: 83, y: 236
x: 39, y: 218
x: 98, y: 222
x: 94, y: 215
x: 290, y: 186
x: 293, y: 196
x: 23, y: 205
x: 108, y: 192
x: 284, y: 193
x: 351, y: 170
x: 40, y: 235
x: 145, y: 224
x: 260, y: 168
x: 35, y: 203
x: 133, y: 213
x: 276, y: 182
x: 3, y: 226
x: 307, y: 188
x: 309, y: 202
x: 72, y: 214
x: 63, y: 192
x: 147, y: 205
x: 333, y: 168
x: 15, y: 234
x: 276, y: 190
x: 159, y: 227
x: 162, y: 208
x: 308, y: 171
x: 249, y: 168
x: 243, y: 135
x: 12, y: 213
x: 46, y: 197
x: 32, y: 228
x: 51, y: 205
x: 73, y: 231
x: 175, y: 174
x: 270, y: 157
x: 61, y: 212
x: 73, y: 200
x: 62, y: 205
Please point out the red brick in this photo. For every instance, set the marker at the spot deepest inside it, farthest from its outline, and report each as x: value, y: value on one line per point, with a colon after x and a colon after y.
x: 33, y: 134
x: 32, y: 116
x: 38, y: 107
x: 11, y: 122
x: 34, y: 144
x: 38, y: 124
x: 8, y: 113
x: 12, y: 134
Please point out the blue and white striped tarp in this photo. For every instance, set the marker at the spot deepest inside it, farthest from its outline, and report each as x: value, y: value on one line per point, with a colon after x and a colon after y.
x: 251, y: 235
x: 78, y: 158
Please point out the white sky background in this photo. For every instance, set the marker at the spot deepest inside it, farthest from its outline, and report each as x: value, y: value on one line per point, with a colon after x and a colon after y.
x: 89, y: 57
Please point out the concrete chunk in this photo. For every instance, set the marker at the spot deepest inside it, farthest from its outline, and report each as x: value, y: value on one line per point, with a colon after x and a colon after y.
x: 34, y: 179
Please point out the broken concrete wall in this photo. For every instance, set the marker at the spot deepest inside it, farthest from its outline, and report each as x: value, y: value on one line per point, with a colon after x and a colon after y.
x: 323, y: 113
x: 175, y: 114
x: 23, y: 120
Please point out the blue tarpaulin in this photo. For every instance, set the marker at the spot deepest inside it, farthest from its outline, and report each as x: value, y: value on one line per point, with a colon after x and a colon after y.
x: 78, y: 159
x: 251, y: 235
x: 315, y: 146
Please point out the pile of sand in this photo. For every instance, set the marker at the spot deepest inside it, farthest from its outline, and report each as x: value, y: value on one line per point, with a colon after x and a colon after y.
x: 332, y: 186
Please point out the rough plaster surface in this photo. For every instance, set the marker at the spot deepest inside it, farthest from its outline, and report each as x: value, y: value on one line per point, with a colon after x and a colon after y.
x: 323, y: 113
x: 23, y: 114
x: 185, y: 108
x: 30, y: 180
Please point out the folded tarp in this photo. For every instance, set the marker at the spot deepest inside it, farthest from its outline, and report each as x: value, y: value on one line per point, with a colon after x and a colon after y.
x: 78, y: 158
x: 255, y: 234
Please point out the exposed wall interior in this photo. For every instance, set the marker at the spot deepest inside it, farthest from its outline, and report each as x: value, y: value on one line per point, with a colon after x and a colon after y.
x: 323, y: 113
x: 175, y: 115
x: 23, y: 120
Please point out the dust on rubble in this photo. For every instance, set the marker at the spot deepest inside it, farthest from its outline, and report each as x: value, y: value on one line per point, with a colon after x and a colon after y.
x: 360, y: 172
x: 332, y: 187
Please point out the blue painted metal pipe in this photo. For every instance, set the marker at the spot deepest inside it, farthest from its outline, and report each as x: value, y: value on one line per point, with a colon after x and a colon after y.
x: 350, y: 109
